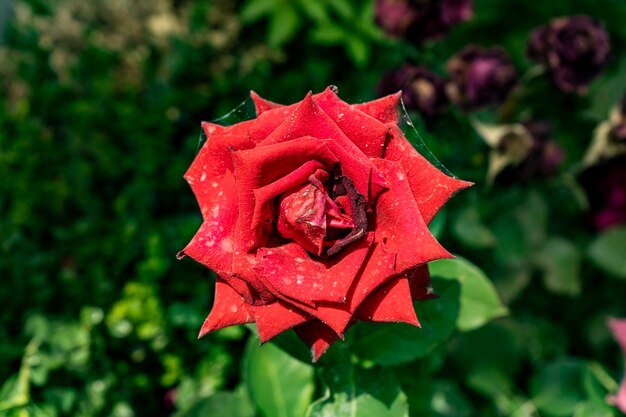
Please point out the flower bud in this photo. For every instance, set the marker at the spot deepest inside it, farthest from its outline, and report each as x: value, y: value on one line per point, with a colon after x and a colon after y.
x: 605, y: 186
x: 480, y: 76
x: 574, y: 50
x: 420, y: 20
x: 520, y: 151
x: 609, y: 138
x: 422, y: 90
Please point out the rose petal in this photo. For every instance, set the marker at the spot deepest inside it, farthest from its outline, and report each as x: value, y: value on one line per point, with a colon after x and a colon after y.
x: 399, y: 223
x: 384, y: 109
x: 264, y: 196
x: 391, y: 302
x: 242, y: 128
x: 213, y: 243
x: 274, y: 318
x: 209, y: 167
x: 258, y: 167
x: 367, y: 133
x: 308, y: 119
x: 291, y: 271
x: 420, y: 283
x: 262, y: 105
x: 431, y: 187
x: 317, y: 336
x: 229, y: 309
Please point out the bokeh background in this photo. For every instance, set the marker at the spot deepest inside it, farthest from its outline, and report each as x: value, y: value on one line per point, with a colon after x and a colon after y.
x: 100, y: 108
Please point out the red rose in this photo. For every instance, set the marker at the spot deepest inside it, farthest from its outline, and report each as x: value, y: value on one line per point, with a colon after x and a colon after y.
x: 315, y: 217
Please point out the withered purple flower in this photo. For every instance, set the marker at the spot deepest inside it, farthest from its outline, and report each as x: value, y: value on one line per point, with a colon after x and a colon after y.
x: 574, y: 49
x: 605, y: 186
x: 420, y: 20
x: 543, y: 159
x: 422, y: 89
x: 480, y: 76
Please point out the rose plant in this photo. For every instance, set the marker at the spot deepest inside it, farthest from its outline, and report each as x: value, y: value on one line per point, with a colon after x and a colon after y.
x: 315, y: 217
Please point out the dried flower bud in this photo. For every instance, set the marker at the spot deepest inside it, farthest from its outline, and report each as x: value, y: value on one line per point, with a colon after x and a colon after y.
x: 520, y: 151
x: 605, y: 185
x: 480, y: 76
x: 420, y: 20
x: 609, y: 138
x: 422, y: 90
x: 574, y: 50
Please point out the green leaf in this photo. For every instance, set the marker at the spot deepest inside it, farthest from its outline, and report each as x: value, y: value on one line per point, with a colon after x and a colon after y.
x: 254, y: 10
x: 595, y: 409
x: 352, y: 391
x: 469, y: 229
x: 279, y: 385
x: 231, y: 404
x: 283, y: 26
x: 560, y: 261
x: 395, y: 343
x: 479, y: 300
x: 557, y: 389
x: 489, y: 357
x: 608, y: 251
x: 441, y: 398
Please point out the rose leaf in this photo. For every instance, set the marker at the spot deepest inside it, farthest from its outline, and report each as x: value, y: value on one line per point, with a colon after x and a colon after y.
x: 559, y: 259
x: 352, y: 391
x: 396, y: 343
x: 279, y: 385
x: 608, y: 251
x: 479, y: 300
x: 232, y: 404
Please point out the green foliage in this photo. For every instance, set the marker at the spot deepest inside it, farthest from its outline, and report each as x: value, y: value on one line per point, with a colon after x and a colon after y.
x: 351, y: 391
x: 609, y: 252
x: 279, y: 385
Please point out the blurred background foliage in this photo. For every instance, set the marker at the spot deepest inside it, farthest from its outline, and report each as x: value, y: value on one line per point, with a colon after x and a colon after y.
x: 99, y: 118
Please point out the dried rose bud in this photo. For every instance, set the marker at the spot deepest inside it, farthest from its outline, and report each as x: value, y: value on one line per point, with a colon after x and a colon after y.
x: 605, y: 186
x: 609, y: 137
x: 420, y: 20
x: 480, y: 76
x: 574, y: 50
x: 520, y: 151
x: 618, y: 122
x: 422, y: 90
x: 543, y: 159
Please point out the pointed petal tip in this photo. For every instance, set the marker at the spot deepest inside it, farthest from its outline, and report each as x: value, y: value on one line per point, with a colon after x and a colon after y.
x: 181, y: 254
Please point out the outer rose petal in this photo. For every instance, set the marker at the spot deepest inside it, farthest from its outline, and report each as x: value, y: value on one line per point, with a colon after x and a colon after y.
x: 210, y: 166
x: 367, y: 133
x: 242, y: 128
x: 317, y: 336
x: 295, y: 276
x: 229, y: 309
x: 213, y: 243
x: 431, y: 187
x: 399, y: 223
x: 391, y: 302
x: 262, y: 105
x: 420, y: 283
x: 384, y: 109
x: 274, y: 318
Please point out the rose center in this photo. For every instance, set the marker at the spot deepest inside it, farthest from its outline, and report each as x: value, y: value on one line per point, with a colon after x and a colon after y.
x: 322, y: 216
